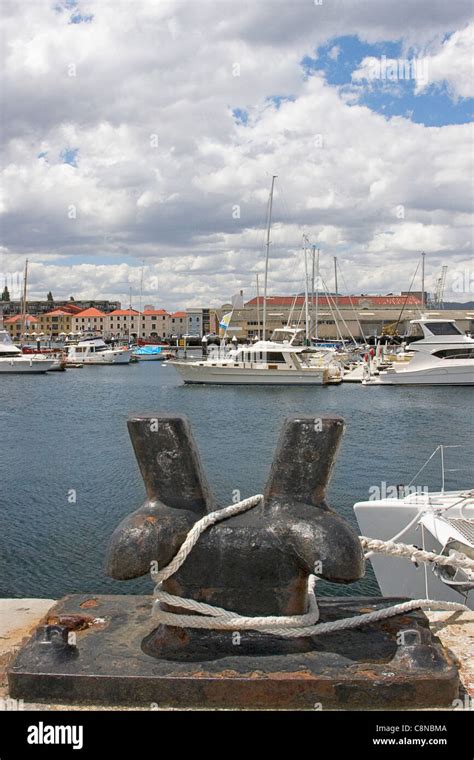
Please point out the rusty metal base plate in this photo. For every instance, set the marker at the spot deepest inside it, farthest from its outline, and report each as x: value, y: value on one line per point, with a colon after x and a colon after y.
x: 396, y: 663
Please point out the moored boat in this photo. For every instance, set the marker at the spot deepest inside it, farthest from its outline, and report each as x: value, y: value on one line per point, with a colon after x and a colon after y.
x: 266, y: 362
x: 95, y: 351
x: 441, y: 522
x: 442, y: 355
x: 12, y: 360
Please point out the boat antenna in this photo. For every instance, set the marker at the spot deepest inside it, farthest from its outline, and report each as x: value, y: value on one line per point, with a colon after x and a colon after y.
x: 265, y: 282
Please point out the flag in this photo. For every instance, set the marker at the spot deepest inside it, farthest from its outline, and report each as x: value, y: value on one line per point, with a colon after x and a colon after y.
x: 225, y: 321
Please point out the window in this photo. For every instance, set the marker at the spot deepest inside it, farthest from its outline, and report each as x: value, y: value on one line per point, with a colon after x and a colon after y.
x: 455, y: 353
x: 276, y: 357
x: 443, y: 328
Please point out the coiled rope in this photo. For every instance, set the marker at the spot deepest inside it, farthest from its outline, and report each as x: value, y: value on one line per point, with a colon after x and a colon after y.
x: 287, y: 626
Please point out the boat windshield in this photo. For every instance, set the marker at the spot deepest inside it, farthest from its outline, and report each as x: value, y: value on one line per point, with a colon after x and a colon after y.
x: 5, y: 339
x: 287, y: 335
x: 443, y: 328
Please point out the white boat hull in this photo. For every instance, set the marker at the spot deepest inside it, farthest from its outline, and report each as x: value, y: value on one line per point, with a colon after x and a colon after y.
x: 101, y: 358
x: 400, y: 576
x: 192, y: 373
x: 150, y: 358
x: 451, y: 373
x: 24, y: 365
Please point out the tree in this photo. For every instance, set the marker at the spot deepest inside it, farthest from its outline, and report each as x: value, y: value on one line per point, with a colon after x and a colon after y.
x: 50, y: 298
x: 5, y: 294
x: 71, y: 298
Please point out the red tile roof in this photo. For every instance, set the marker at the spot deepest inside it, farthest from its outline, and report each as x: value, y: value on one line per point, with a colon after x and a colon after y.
x: 18, y: 318
x: 72, y: 308
x: 155, y: 313
x: 92, y: 312
x: 358, y: 301
x: 57, y: 313
x: 124, y: 313
x: 179, y: 314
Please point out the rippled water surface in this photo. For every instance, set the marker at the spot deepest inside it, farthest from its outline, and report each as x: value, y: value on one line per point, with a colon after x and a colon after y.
x: 66, y: 431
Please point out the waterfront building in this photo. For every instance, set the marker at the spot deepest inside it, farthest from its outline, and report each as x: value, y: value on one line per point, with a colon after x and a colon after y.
x: 200, y: 321
x: 10, y: 308
x: 56, y: 322
x: 178, y: 324
x: 155, y: 323
x: 14, y: 325
x: 90, y: 320
x: 359, y: 316
x: 121, y: 323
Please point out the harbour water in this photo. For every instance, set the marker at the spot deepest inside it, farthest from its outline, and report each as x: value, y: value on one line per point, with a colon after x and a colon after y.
x: 68, y: 473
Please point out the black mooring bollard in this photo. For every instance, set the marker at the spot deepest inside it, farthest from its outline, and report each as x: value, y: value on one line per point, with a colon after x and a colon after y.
x: 255, y: 563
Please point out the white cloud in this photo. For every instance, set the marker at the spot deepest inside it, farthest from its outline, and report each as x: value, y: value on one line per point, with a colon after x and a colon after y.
x: 450, y: 64
x: 161, y: 163
x: 453, y: 64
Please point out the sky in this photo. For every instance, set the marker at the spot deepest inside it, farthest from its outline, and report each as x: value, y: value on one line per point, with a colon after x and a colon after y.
x: 139, y: 139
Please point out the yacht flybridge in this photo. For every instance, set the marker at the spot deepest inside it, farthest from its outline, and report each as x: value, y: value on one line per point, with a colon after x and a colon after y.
x: 96, y: 351
x: 12, y: 360
x: 442, y: 355
x: 282, y: 360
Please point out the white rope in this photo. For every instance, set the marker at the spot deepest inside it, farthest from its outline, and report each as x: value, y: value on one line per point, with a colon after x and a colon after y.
x: 287, y: 626
x: 199, y: 527
x: 457, y: 559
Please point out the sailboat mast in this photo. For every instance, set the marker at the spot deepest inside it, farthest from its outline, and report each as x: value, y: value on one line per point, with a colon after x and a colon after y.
x: 306, y: 295
x: 23, y: 312
x: 316, y: 300
x: 265, y: 282
x: 258, y: 309
x: 141, y: 288
x: 423, y: 281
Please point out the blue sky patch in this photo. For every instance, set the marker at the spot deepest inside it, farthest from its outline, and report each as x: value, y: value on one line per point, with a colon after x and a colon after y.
x: 79, y: 18
x: 277, y: 100
x: 240, y: 115
x: 69, y: 156
x: 341, y: 56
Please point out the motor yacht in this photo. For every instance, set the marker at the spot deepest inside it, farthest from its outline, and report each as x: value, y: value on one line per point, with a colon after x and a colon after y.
x: 282, y: 360
x: 12, y: 360
x: 442, y: 355
x: 96, y: 351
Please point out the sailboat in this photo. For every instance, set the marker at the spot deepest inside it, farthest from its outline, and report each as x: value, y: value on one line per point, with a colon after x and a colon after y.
x: 282, y: 360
